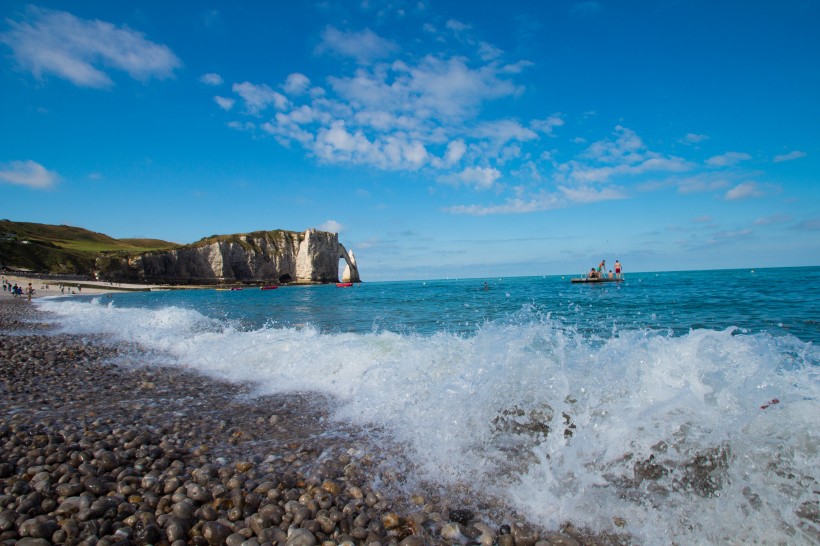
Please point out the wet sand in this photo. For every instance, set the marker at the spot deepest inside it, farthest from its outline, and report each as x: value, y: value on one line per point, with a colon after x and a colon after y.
x: 98, y: 447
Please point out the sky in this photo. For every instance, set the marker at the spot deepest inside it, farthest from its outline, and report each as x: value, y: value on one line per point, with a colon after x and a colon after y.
x: 439, y: 139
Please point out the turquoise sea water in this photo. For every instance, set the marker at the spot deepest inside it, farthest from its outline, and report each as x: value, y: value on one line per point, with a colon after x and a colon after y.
x: 669, y: 381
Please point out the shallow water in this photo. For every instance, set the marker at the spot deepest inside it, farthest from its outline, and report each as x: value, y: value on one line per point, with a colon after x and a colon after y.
x: 673, y: 406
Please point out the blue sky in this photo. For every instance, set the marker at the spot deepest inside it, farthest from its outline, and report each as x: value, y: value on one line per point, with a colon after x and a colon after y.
x: 440, y: 139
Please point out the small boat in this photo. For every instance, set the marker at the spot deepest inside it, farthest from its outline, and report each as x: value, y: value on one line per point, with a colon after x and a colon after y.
x: 236, y: 288
x: 585, y: 280
x: 344, y: 284
x: 268, y: 287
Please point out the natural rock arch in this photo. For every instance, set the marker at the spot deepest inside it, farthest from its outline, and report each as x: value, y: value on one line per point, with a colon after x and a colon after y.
x: 318, y: 258
x: 351, y: 270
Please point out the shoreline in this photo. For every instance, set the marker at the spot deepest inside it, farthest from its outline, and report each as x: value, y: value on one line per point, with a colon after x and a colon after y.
x: 97, y: 446
x: 86, y: 287
x: 45, y: 287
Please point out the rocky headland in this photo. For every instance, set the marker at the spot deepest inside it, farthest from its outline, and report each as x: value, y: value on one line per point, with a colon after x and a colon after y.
x: 263, y: 256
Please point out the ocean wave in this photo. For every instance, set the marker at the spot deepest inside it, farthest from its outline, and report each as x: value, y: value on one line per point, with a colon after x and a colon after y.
x: 708, y: 436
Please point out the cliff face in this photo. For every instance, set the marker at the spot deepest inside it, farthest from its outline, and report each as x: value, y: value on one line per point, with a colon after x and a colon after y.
x: 265, y: 256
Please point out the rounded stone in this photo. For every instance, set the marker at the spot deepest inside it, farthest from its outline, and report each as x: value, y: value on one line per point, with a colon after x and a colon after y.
x: 235, y: 539
x: 301, y: 537
x: 183, y: 510
x: 524, y: 535
x: 215, y: 533
x: 244, y: 466
x: 452, y: 532
x: 7, y: 518
x: 29, y: 541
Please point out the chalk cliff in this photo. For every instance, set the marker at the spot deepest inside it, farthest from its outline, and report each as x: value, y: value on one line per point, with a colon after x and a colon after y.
x: 262, y: 256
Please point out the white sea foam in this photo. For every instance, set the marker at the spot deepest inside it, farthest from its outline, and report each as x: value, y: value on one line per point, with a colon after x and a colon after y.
x: 664, y: 435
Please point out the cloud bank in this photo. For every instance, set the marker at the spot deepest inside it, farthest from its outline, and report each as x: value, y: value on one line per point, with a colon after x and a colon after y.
x: 81, y: 50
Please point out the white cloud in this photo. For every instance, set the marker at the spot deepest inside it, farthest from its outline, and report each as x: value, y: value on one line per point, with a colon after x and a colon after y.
x: 791, y: 156
x: 540, y: 202
x: 27, y: 173
x: 489, y: 52
x: 224, y: 102
x: 247, y: 126
x: 499, y: 132
x: 211, y: 79
x: 586, y: 194
x: 390, y: 152
x: 546, y: 126
x: 450, y: 88
x: 743, y: 191
x: 625, y: 148
x: 480, y: 178
x: 332, y: 226
x: 700, y: 183
x: 728, y: 159
x: 259, y: 97
x: 296, y: 84
x: 442, y: 89
x: 79, y: 50
x: 774, y: 219
x: 455, y: 151
x: 693, y: 138
x: 457, y: 26
x: 365, y: 46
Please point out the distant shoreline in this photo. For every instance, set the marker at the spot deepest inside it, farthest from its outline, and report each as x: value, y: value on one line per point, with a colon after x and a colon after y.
x: 77, y: 287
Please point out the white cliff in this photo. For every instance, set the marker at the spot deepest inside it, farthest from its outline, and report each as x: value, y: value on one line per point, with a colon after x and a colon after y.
x: 263, y: 256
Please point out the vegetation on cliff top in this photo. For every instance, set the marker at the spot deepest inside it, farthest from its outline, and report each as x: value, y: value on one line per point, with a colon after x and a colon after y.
x: 45, y: 248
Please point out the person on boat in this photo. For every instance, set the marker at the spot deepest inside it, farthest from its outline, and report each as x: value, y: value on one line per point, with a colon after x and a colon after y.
x: 602, y: 268
x: 618, y: 270
x: 611, y: 275
x: 592, y: 273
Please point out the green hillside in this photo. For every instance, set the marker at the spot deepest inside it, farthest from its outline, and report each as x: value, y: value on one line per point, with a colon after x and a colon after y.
x: 45, y: 248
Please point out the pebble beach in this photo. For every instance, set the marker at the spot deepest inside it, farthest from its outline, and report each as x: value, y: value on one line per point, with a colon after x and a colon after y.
x: 100, y: 446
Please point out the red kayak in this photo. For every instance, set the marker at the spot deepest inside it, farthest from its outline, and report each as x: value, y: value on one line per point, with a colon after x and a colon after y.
x: 344, y: 284
x: 271, y: 287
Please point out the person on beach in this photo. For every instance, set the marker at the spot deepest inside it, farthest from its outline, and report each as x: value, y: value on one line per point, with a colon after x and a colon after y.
x: 29, y: 291
x: 617, y: 269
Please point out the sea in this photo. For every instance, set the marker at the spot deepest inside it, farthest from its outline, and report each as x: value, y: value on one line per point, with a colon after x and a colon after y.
x: 674, y: 407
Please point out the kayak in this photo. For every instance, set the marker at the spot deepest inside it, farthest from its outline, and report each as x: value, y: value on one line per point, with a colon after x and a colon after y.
x: 270, y: 287
x: 344, y: 284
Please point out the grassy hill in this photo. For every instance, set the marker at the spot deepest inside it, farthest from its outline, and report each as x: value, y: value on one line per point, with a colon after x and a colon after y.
x: 45, y: 248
